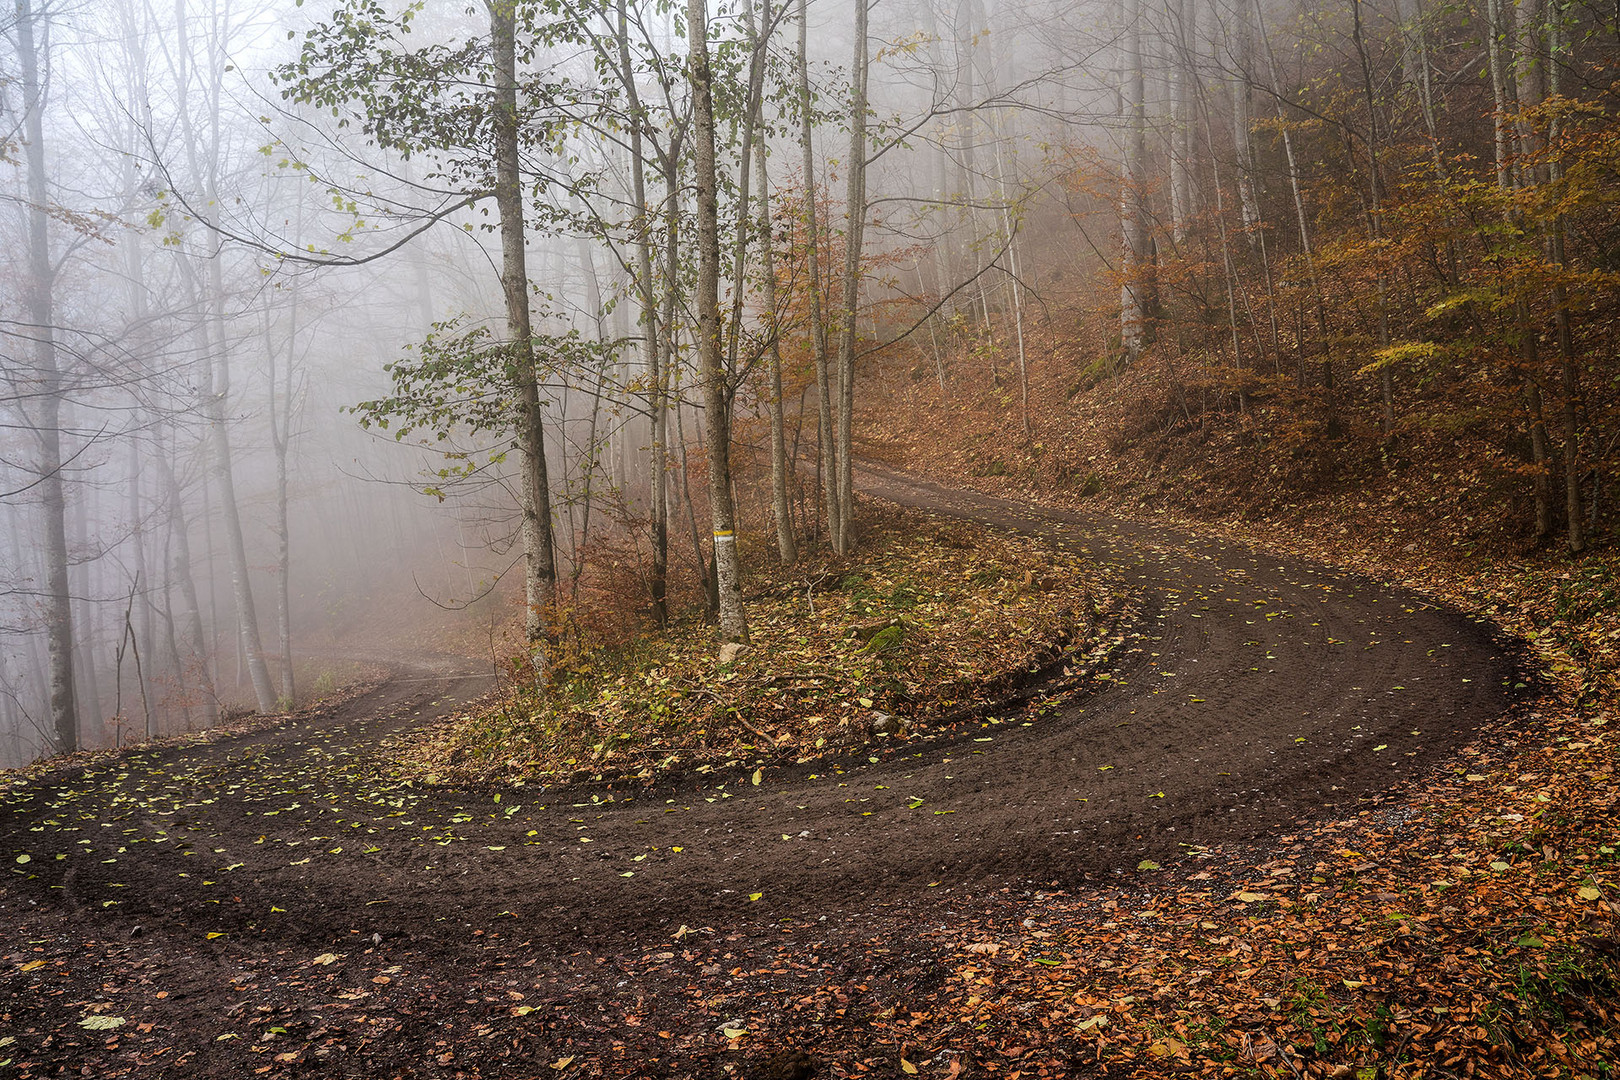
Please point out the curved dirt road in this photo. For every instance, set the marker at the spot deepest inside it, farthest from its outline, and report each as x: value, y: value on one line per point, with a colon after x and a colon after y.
x: 278, y: 881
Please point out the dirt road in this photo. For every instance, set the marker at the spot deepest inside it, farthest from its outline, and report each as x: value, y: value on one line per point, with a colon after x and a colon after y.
x: 277, y: 903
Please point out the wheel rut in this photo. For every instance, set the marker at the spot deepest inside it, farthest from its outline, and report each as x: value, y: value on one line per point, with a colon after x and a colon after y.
x: 1253, y: 691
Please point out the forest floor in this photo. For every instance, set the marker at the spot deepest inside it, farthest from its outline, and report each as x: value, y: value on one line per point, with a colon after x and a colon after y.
x: 1218, y: 859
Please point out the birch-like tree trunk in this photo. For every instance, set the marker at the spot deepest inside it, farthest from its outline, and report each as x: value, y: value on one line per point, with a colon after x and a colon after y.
x: 854, y: 235
x: 1183, y: 139
x: 657, y: 405
x: 47, y: 422
x: 1568, y: 366
x: 1137, y: 288
x: 787, y: 544
x: 814, y: 298
x: 539, y: 556
x: 216, y: 381
x: 717, y: 420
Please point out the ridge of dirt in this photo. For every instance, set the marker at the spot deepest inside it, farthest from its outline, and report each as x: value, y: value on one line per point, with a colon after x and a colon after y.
x: 272, y: 903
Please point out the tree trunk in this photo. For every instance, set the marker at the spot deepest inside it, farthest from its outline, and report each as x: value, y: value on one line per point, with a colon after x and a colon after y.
x: 281, y: 422
x: 1375, y: 215
x: 1568, y: 365
x: 1137, y: 288
x: 717, y: 420
x: 1183, y: 184
x: 855, y: 215
x: 1240, y: 51
x: 818, y: 327
x: 41, y: 312
x: 539, y: 556
x: 657, y: 408
x: 787, y: 545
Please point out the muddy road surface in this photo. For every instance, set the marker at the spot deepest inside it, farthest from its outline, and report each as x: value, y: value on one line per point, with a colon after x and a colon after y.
x: 278, y: 903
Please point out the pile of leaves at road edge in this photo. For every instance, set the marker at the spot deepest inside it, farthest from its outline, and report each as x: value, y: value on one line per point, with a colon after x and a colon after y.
x: 929, y: 622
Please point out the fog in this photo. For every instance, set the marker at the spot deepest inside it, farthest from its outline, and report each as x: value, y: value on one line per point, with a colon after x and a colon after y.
x: 204, y: 276
x: 334, y: 334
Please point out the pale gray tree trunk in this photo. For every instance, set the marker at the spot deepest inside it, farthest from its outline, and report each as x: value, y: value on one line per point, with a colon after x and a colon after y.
x: 657, y: 405
x: 1569, y: 368
x: 787, y: 545
x: 717, y: 421
x: 1183, y: 140
x: 1137, y: 287
x: 539, y: 557
x: 1241, y: 54
x: 196, y: 657
x: 854, y: 233
x: 282, y: 411
x: 217, y: 371
x: 47, y: 423
x: 814, y: 299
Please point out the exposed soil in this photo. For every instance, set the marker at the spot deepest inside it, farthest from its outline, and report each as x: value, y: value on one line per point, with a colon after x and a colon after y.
x: 270, y: 902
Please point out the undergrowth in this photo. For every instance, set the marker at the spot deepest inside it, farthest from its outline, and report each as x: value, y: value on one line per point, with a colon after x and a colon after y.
x: 927, y: 623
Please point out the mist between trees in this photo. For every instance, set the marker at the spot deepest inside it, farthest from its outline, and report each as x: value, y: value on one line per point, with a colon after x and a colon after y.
x: 311, y: 309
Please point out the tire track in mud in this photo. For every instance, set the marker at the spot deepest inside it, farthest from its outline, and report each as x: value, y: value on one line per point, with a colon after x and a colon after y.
x: 1252, y: 691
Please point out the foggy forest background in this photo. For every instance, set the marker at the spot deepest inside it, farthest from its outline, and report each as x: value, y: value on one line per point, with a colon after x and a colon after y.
x: 328, y: 330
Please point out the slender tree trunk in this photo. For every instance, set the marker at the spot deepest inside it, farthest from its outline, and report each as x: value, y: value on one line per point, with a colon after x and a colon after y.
x: 41, y: 313
x: 84, y: 623
x: 1505, y: 64
x: 657, y: 407
x: 1501, y: 126
x: 855, y: 211
x: 281, y: 421
x: 1241, y: 53
x: 1182, y: 140
x: 1568, y: 364
x: 717, y: 420
x: 787, y: 544
x: 198, y: 662
x: 217, y: 376
x: 1375, y: 215
x: 539, y: 556
x: 1306, y: 249
x: 1137, y: 287
x: 828, y: 466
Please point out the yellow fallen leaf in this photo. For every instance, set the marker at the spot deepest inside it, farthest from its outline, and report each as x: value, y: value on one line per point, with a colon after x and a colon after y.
x: 35, y: 965
x: 1587, y: 892
x: 563, y: 1062
x: 907, y: 1067
x: 733, y: 1033
x: 326, y: 958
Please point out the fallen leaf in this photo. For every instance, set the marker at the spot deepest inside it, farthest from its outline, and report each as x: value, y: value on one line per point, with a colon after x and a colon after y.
x: 101, y: 1023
